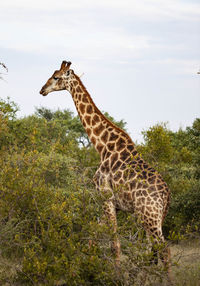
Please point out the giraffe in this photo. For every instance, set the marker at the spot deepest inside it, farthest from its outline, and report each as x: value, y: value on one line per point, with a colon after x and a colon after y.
x: 127, y: 182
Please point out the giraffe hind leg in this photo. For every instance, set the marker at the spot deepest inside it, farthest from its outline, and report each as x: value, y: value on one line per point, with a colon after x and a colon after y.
x: 152, y: 248
x: 161, y: 250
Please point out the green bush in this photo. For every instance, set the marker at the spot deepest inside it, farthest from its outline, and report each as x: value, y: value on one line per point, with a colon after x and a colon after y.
x: 50, y: 211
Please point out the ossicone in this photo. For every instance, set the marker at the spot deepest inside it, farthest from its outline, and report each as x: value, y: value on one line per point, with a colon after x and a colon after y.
x: 65, y: 65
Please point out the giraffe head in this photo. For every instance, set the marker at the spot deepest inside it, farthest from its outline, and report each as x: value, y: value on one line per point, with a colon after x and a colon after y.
x: 59, y: 80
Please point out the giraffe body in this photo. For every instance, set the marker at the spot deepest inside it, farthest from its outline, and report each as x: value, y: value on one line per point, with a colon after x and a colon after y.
x: 124, y: 179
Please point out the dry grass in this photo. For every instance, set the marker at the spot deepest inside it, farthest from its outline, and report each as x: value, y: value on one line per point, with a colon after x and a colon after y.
x: 185, y: 269
x: 186, y: 257
x: 8, y: 270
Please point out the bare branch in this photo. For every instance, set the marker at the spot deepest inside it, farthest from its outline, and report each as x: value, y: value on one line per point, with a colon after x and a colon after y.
x: 4, y: 66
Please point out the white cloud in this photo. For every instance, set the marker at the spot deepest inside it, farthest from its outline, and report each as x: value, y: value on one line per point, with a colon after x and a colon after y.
x: 92, y: 39
x: 45, y: 26
x: 180, y: 66
x: 153, y: 10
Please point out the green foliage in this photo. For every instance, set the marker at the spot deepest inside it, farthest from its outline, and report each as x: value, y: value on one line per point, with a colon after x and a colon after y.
x: 157, y: 139
x: 8, y: 110
x: 43, y: 209
x: 49, y: 209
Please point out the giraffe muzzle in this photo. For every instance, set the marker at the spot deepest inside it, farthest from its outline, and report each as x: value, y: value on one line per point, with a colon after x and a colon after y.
x: 42, y: 91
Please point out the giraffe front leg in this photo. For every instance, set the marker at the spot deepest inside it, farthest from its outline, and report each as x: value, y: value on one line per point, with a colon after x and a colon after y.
x: 110, y: 214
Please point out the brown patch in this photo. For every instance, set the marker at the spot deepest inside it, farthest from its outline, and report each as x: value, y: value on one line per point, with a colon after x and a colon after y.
x: 113, y: 136
x: 151, y: 221
x: 160, y: 187
x: 152, y: 180
x: 148, y: 201
x: 117, y: 175
x: 144, y: 192
x: 114, y: 158
x: 72, y: 91
x: 75, y: 96
x: 89, y: 109
x: 103, y: 169
x: 128, y: 196
x: 106, y: 165
x: 152, y: 189
x: 93, y: 140
x: 84, y: 98
x: 124, y: 155
x: 88, y: 119
x: 99, y: 148
x: 131, y: 173
x: 104, y: 137
x: 130, y: 148
x: 147, y: 213
x: 111, y: 146
x: 108, y: 154
x: 116, y: 166
x: 98, y: 129
x: 144, y: 173
x: 138, y: 193
x: 123, y: 166
x: 134, y: 153
x: 78, y: 89
x: 158, y: 181
x: 133, y: 185
x: 75, y: 82
x: 104, y: 154
x: 82, y: 108
x: 120, y: 144
x: 139, y: 185
x: 84, y: 124
x: 149, y: 209
x: 96, y: 118
x: 88, y: 130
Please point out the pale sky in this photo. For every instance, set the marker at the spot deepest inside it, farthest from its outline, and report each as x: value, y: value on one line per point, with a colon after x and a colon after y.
x: 138, y: 58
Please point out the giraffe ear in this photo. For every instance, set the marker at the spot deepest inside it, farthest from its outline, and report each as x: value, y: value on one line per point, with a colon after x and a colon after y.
x: 65, y: 65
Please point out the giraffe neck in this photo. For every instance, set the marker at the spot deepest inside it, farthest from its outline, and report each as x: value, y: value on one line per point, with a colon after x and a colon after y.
x: 105, y: 136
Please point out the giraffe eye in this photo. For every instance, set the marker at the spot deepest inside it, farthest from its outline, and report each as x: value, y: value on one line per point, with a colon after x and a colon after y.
x: 56, y: 78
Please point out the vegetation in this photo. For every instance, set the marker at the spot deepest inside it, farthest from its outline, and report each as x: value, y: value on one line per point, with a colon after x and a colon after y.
x: 49, y: 209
